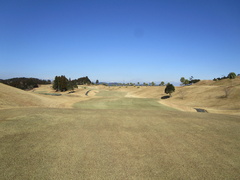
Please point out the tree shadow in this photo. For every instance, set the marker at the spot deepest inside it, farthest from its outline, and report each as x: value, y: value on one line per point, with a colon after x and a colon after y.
x: 200, y: 110
x: 221, y: 97
x: 165, y: 97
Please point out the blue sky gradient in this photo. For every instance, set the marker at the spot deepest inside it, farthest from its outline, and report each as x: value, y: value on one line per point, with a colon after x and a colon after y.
x: 119, y: 40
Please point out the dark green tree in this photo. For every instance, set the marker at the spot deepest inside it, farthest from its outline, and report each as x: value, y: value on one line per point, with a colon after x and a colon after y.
x: 186, y: 82
x: 61, y: 83
x: 231, y: 75
x: 25, y: 83
x: 64, y: 83
x: 83, y: 81
x: 162, y: 83
x: 169, y: 89
x: 56, y: 83
x: 70, y: 85
x: 182, y: 80
x: 97, y: 82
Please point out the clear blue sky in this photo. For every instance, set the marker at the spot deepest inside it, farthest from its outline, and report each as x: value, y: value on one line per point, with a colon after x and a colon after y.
x: 119, y: 40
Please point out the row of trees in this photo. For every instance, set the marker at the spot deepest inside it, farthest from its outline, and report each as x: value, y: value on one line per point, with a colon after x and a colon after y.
x: 61, y: 83
x: 188, y: 81
x: 231, y: 75
x: 131, y: 84
x: 25, y: 83
x: 83, y: 81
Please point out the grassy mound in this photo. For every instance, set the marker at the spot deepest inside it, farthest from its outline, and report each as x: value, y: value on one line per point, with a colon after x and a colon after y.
x: 11, y: 97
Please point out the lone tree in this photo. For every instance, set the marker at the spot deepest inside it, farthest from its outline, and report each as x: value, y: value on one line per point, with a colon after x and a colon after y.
x: 231, y: 75
x: 169, y: 89
x: 97, y: 82
x: 162, y: 83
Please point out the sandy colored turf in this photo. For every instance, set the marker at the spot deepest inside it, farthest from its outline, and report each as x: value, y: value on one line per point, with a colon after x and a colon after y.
x: 11, y: 97
x: 209, y: 95
x: 38, y: 143
x: 113, y: 133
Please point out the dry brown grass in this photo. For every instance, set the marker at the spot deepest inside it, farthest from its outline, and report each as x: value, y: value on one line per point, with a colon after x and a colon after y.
x: 147, y: 141
x: 209, y: 95
x: 211, y: 98
x: 223, y: 82
x: 205, y: 94
x: 40, y: 143
x: 11, y: 97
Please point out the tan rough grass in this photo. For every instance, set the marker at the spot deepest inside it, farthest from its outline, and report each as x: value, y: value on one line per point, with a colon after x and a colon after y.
x: 145, y: 142
x: 209, y: 95
x: 11, y: 97
x: 223, y: 82
x: 50, y: 143
x: 201, y: 95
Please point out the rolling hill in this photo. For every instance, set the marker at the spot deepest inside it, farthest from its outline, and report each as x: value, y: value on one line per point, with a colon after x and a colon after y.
x: 206, y: 94
x: 11, y: 97
x: 215, y: 96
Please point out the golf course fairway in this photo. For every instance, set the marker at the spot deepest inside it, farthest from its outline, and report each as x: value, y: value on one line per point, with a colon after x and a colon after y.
x: 115, y: 137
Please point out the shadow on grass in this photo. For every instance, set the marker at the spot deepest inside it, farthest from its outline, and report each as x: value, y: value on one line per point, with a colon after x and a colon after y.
x: 200, y: 110
x: 165, y: 97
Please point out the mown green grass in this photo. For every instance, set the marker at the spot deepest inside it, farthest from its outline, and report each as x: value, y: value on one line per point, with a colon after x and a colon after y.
x: 113, y: 143
x: 117, y: 100
x: 121, y: 103
x: 111, y: 94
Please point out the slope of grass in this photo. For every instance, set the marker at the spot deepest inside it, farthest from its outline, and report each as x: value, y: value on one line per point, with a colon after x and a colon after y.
x: 201, y: 95
x: 12, y: 97
x: 223, y: 82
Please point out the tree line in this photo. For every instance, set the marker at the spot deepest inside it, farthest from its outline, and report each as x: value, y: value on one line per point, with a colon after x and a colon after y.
x: 25, y: 83
x: 231, y: 75
x: 61, y: 83
x: 189, y: 81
